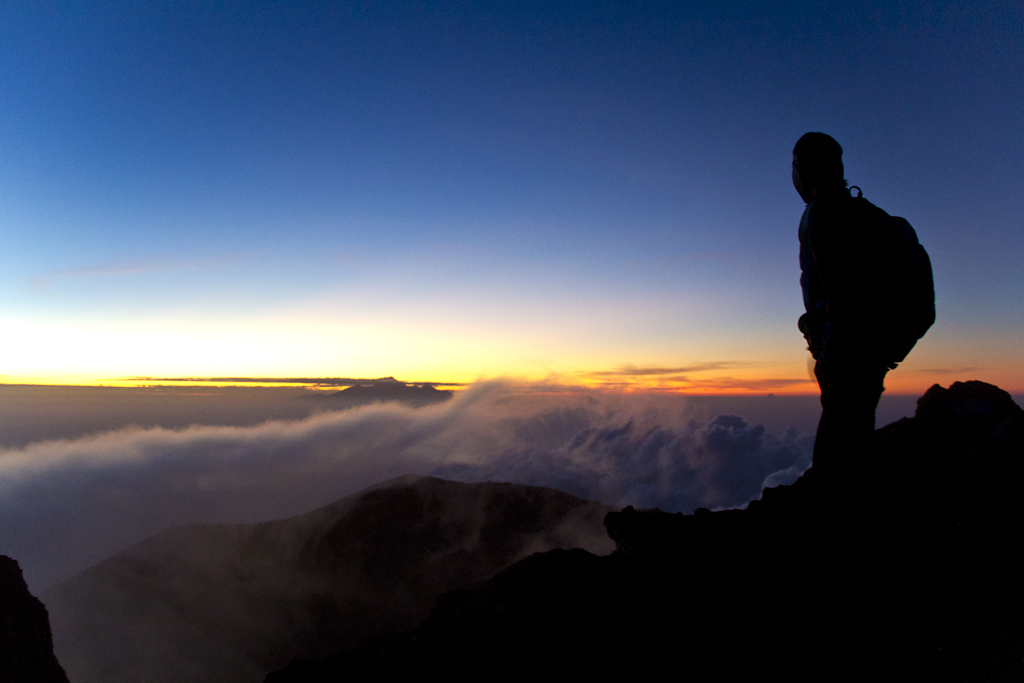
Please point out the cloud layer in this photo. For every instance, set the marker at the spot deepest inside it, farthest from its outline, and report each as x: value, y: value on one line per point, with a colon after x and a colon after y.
x: 65, y: 505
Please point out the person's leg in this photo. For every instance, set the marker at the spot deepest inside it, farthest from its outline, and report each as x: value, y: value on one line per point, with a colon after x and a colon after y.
x: 849, y: 396
x: 844, y: 461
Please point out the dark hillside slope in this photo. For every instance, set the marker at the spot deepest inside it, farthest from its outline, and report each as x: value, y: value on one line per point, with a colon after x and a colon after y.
x: 229, y: 603
x: 26, y: 648
x: 911, y: 570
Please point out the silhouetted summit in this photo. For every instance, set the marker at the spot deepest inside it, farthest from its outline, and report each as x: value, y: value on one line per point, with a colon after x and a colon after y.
x: 388, y: 390
x: 913, y: 572
x: 972, y: 400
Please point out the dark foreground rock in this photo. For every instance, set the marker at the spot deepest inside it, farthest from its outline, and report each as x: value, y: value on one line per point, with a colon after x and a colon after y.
x: 912, y: 570
x: 26, y: 647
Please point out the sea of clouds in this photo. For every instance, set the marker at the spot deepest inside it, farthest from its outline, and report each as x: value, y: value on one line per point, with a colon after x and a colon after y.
x: 67, y: 504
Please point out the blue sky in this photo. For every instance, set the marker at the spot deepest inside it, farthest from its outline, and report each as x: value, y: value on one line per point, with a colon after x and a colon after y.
x: 457, y: 190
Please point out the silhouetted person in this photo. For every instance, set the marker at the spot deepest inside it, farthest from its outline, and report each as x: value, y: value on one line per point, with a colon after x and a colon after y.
x: 868, y: 295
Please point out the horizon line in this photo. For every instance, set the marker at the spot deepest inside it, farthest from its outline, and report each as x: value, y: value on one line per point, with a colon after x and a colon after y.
x: 323, y: 381
x: 541, y: 388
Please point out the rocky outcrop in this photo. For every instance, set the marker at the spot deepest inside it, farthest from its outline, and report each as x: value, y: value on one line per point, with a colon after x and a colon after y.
x: 26, y: 647
x: 913, y: 573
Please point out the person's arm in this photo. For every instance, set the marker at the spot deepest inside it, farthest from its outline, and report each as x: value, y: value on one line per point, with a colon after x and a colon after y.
x: 811, y: 322
x: 835, y: 250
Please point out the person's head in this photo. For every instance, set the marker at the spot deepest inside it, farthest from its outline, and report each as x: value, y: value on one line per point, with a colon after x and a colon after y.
x: 817, y: 165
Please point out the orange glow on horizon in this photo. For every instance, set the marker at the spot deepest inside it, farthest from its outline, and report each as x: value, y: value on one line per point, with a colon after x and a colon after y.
x: 717, y: 378
x: 733, y: 384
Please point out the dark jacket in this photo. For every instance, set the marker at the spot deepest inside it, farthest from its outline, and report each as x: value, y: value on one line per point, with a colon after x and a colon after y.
x: 842, y: 253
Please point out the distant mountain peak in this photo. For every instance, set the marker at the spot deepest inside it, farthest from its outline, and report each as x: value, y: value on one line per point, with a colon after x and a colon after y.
x: 388, y: 389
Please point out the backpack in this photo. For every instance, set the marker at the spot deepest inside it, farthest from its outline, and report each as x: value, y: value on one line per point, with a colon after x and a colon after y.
x: 907, y: 289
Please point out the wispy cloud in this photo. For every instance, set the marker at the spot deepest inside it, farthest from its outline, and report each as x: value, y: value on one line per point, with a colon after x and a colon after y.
x: 753, y: 384
x: 948, y: 371
x: 709, y: 377
x: 315, y: 381
x: 44, y: 280
x: 714, y: 385
x: 634, y: 371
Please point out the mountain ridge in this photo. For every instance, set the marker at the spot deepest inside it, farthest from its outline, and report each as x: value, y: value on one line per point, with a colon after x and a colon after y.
x: 231, y: 602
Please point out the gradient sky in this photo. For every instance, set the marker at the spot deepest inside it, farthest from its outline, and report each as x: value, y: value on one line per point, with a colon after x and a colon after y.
x: 591, y: 193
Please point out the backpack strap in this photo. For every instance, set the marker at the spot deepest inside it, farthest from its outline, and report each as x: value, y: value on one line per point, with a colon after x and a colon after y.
x: 859, y: 192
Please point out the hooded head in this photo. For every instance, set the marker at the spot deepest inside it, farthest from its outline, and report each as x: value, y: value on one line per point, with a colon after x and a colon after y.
x: 817, y: 165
